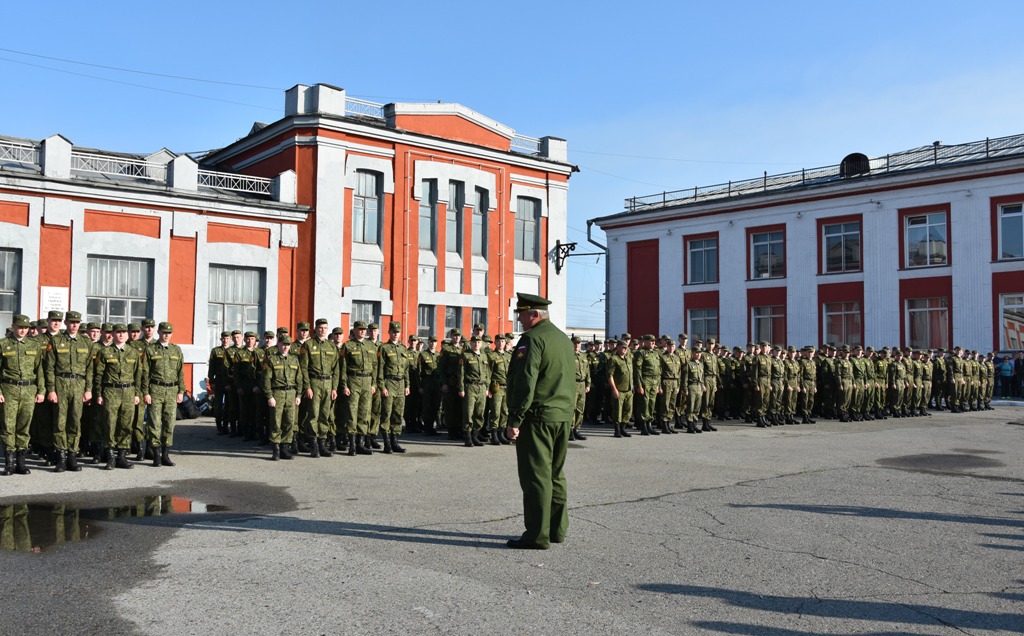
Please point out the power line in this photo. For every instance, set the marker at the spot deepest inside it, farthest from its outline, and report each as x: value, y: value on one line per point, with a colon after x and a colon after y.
x: 615, y: 176
x: 737, y: 163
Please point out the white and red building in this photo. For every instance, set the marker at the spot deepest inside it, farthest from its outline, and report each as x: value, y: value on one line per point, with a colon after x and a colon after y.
x: 429, y: 214
x: 923, y: 248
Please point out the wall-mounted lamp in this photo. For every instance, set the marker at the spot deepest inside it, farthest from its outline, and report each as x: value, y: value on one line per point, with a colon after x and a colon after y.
x: 668, y: 232
x: 799, y: 215
x: 730, y: 223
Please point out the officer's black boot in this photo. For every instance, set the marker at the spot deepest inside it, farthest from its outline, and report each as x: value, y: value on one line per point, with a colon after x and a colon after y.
x: 476, y: 440
x: 8, y: 463
x: 805, y: 420
x: 691, y: 427
x: 707, y: 426
x: 326, y: 446
x: 625, y: 433
x: 503, y: 437
x: 372, y: 440
x: 364, y: 447
x: 157, y: 461
x: 762, y: 422
x: 122, y: 459
x: 275, y: 453
x: 351, y: 445
x: 165, y: 456
x: 141, y: 451
x: 109, y: 454
x: 314, y: 448
x: 61, y: 463
x: 72, y: 463
x: 644, y: 429
x: 618, y: 431
x: 394, y: 444
x: 580, y: 436
x: 651, y: 428
x: 387, y: 443
x: 494, y: 438
x: 665, y: 428
x: 286, y: 451
x: 19, y: 463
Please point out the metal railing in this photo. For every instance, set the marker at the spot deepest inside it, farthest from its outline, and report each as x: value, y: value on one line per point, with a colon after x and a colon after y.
x: 917, y: 158
x: 18, y: 152
x: 235, y: 182
x: 526, y: 145
x: 362, y: 108
x: 118, y: 166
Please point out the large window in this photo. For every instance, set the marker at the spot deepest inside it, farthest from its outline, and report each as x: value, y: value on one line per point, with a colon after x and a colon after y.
x: 425, y: 321
x: 703, y: 324
x: 366, y: 208
x: 842, y: 323
x: 365, y: 310
x: 926, y: 239
x: 1012, y: 323
x: 703, y: 261
x: 1011, y: 231
x: 479, y: 316
x: 236, y: 301
x: 769, y: 323
x: 767, y: 255
x: 480, y: 223
x: 10, y: 285
x: 527, y: 228
x: 928, y: 323
x: 452, y: 319
x: 453, y: 217
x: 118, y: 290
x: 428, y: 215
x: 841, y: 248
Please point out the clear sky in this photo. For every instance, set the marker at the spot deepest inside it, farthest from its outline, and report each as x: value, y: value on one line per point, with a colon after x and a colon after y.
x: 651, y: 96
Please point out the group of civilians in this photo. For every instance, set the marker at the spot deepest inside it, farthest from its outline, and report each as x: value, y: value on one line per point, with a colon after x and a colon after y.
x: 1010, y: 372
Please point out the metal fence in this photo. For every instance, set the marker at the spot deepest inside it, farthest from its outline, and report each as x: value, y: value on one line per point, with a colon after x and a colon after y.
x: 235, y: 182
x: 18, y: 152
x: 117, y: 166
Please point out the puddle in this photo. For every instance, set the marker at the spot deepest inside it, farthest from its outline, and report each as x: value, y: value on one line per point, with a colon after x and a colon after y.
x: 36, y: 527
x: 941, y: 462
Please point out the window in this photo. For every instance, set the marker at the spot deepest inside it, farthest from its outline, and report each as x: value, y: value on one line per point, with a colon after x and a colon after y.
x: 841, y: 249
x: 767, y: 255
x: 703, y: 324
x: 452, y: 318
x: 10, y: 284
x: 428, y: 215
x: 1012, y: 324
x: 118, y: 290
x: 927, y: 323
x: 527, y: 225
x: 842, y: 323
x: 453, y: 217
x: 1011, y: 231
x: 366, y: 208
x: 236, y: 301
x: 425, y: 321
x: 769, y: 323
x: 367, y: 311
x: 703, y: 264
x: 480, y: 223
x: 479, y: 315
x: 926, y: 239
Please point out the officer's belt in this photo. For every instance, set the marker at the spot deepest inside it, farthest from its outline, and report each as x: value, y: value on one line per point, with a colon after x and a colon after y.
x: 20, y: 382
x: 117, y: 385
x: 70, y: 376
x: 166, y: 384
x: 323, y: 377
x: 361, y: 375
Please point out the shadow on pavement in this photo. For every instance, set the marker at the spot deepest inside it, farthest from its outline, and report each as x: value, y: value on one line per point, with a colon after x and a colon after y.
x: 889, y: 513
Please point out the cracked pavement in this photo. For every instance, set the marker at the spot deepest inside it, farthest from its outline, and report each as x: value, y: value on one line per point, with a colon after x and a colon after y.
x: 788, y: 531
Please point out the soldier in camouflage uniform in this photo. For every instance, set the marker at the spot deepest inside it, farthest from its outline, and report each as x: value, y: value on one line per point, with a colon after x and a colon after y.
x: 318, y: 357
x: 69, y: 369
x: 163, y: 387
x: 283, y: 384
x: 358, y: 385
x: 118, y: 380
x: 497, y: 406
x: 647, y: 380
x: 471, y: 384
x: 671, y: 370
x: 430, y: 386
x: 448, y: 368
x: 22, y: 386
x: 393, y: 380
x: 582, y: 388
x: 620, y: 385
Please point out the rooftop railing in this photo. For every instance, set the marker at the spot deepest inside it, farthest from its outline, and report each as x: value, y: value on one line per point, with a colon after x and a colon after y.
x: 117, y: 166
x: 18, y: 152
x: 235, y: 182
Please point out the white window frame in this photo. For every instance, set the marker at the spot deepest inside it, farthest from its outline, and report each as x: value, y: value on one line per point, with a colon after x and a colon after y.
x: 367, y: 207
x: 452, y: 318
x: 1015, y: 212
x: 926, y: 221
x: 843, y: 232
x: 428, y: 215
x: 769, y: 313
x: 113, y: 289
x: 708, y: 255
x: 1011, y: 327
x: 844, y: 312
x: 761, y: 244
x: 480, y: 222
x: 425, y: 317
x: 366, y: 310
x: 527, y: 229
x: 700, y: 323
x: 235, y: 300
x: 10, y: 285
x: 453, y: 217
x: 915, y: 306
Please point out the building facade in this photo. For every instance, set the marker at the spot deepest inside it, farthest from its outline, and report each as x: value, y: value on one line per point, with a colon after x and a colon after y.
x: 923, y: 248
x: 429, y: 214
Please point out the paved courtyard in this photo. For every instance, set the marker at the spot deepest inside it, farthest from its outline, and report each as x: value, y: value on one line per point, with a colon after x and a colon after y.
x: 912, y: 526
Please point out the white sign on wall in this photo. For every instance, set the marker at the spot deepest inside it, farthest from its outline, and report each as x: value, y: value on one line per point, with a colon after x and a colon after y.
x: 53, y: 299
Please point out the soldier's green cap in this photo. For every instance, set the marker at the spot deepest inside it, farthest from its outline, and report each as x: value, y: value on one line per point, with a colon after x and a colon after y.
x: 225, y: 334
x: 107, y: 326
x: 487, y: 338
x: 711, y: 341
x: 373, y: 325
x: 73, y: 316
x: 303, y: 325
x: 148, y: 322
x: 395, y: 326
x: 432, y: 338
x: 941, y: 350
x: 119, y: 327
x: 696, y: 348
x: 21, y: 320
x: 55, y: 315
x: 166, y: 327
x: 627, y: 336
x: 337, y: 331
x: 284, y: 340
x: 525, y: 302
x: 134, y: 326
x: 269, y: 334
x: 870, y: 350
x: 508, y: 336
x: 885, y: 349
x: 683, y: 335
x: 664, y: 336
x: 475, y: 339
x: 40, y: 324
x: 320, y: 321
x: 735, y: 349
x: 236, y: 332
x: 359, y: 324
x: 455, y: 332
x: 499, y: 336
x: 648, y: 337
x: 791, y: 348
x: 247, y: 334
x: 844, y: 348
x: 575, y: 339
x: 765, y: 343
x: 479, y: 326
x: 776, y: 347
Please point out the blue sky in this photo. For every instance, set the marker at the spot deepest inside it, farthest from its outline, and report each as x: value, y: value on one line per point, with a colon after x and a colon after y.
x: 651, y: 96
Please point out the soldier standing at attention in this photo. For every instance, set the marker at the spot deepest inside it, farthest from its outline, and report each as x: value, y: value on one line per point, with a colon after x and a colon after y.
x: 792, y: 381
x: 430, y: 386
x: 647, y: 379
x: 69, y: 370
x: 620, y: 387
x: 358, y: 384
x: 670, y: 373
x: 412, y: 401
x: 471, y: 383
x: 372, y: 333
x: 844, y: 383
x: 139, y: 419
x: 318, y: 357
x: 393, y: 380
x: 448, y: 367
x: 711, y: 383
x: 582, y: 388
x: 283, y: 384
x: 541, y: 400
x: 117, y: 380
x: 216, y: 380
x: 496, y: 405
x: 163, y: 385
x: 695, y: 388
x: 22, y: 386
x: 761, y: 379
x: 808, y: 385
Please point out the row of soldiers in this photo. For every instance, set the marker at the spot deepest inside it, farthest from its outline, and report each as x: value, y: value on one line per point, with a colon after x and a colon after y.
x: 665, y: 385
x: 110, y: 388
x: 323, y: 393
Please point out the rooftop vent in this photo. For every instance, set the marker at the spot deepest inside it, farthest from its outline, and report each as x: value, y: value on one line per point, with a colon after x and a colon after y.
x: 853, y: 165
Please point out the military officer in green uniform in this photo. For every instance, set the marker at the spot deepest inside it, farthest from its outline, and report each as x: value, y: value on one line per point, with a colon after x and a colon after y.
x: 792, y: 382
x: 318, y: 357
x: 696, y: 387
x: 393, y: 380
x: 496, y: 404
x: 358, y: 373
x: 671, y: 370
x: 138, y: 444
x: 217, y: 379
x: 808, y: 385
x: 541, y: 399
x: 619, y: 371
x: 472, y: 378
x: 647, y: 380
x: 761, y: 381
x: 448, y: 367
x: 163, y: 387
x: 117, y: 380
x: 582, y: 388
x: 22, y: 386
x: 283, y: 384
x: 430, y: 386
x: 69, y: 370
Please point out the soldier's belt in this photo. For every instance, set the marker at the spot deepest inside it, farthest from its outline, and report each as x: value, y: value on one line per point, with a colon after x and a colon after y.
x: 475, y: 383
x: 20, y: 382
x: 117, y: 385
x: 670, y: 378
x: 397, y: 378
x: 285, y: 388
x: 165, y: 384
x: 361, y: 375
x: 70, y: 376
x: 578, y: 381
x: 323, y: 377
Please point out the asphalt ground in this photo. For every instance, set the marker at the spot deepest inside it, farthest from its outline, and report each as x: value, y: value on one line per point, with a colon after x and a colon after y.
x: 908, y: 526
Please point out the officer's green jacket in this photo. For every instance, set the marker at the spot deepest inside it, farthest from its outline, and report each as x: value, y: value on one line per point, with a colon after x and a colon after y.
x: 22, y: 361
x: 393, y: 364
x: 426, y: 362
x: 808, y: 373
x: 358, y: 358
x: 283, y: 373
x: 472, y: 368
x: 164, y: 365
x: 620, y: 371
x: 218, y: 368
x: 499, y: 369
x: 541, y: 377
x: 319, y: 360
x: 582, y: 369
x: 647, y: 368
x: 118, y: 366
x: 69, y: 355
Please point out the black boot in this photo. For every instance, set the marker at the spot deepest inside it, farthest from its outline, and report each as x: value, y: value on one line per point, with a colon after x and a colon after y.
x: 387, y: 444
x: 326, y: 445
x: 651, y: 428
x: 72, y: 463
x: 625, y: 433
x: 60, y: 461
x: 275, y: 453
x: 165, y: 456
x: 706, y: 426
x: 332, y: 445
x: 351, y: 445
x: 122, y: 459
x: 580, y: 436
x: 494, y: 438
x: 644, y: 428
x: 618, y: 431
x: 503, y: 437
x: 110, y: 454
x: 286, y: 451
x: 8, y: 463
x: 691, y: 427
x: 141, y: 451
x: 372, y: 441
x: 762, y: 422
x: 97, y: 452
x: 314, y: 448
x: 364, y: 447
x: 157, y: 461
x: 19, y: 463
x: 394, y: 444
x: 665, y: 429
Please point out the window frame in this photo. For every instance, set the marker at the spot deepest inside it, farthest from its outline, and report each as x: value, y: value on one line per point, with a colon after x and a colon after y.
x: 366, y: 310
x: 428, y: 215
x: 929, y: 213
x: 702, y: 333
x: 1004, y: 342
x: 844, y: 233
x: 426, y: 315
x: 943, y: 323
x: 7, y: 289
x: 249, y: 304
x: 138, y: 307
x: 852, y: 335
x: 1002, y: 232
x: 522, y: 224
x: 453, y: 241
x: 479, y: 222
x: 452, y: 318
x: 767, y: 230
x: 703, y: 239
x: 772, y: 317
x: 360, y: 198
